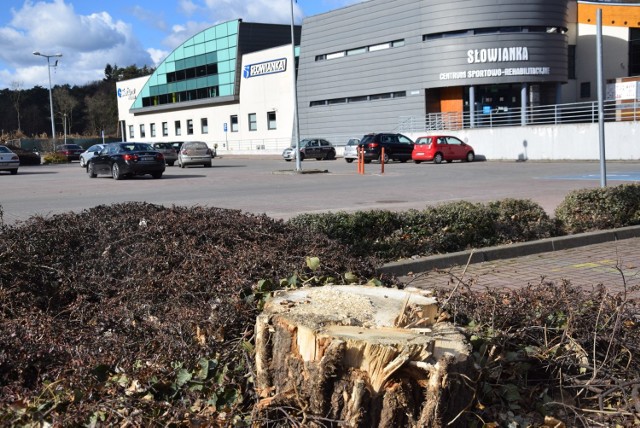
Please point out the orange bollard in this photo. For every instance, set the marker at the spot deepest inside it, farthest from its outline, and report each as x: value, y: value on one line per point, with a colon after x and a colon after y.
x: 382, y: 161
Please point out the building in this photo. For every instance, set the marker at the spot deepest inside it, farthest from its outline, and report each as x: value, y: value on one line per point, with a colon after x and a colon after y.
x: 230, y: 85
x: 380, y: 64
x: 369, y: 66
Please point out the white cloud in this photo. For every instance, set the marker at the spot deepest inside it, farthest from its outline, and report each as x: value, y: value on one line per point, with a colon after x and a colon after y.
x: 87, y: 43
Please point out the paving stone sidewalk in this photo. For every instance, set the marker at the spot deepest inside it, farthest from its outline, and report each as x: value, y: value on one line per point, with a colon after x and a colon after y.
x: 615, y: 264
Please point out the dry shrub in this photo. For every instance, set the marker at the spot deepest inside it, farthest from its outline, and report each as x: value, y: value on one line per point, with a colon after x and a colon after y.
x: 140, y: 314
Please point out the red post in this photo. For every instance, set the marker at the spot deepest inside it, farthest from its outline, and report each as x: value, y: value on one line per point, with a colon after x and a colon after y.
x: 382, y: 161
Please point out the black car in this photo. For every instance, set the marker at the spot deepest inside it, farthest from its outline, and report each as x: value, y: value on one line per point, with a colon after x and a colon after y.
x: 317, y: 148
x: 122, y: 160
x: 396, y: 147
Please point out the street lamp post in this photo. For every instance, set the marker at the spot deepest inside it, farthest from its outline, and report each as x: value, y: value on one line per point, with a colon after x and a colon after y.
x: 58, y: 55
x: 296, y: 126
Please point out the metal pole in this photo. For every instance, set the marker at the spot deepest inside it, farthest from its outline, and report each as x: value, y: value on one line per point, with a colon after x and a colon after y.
x: 296, y: 127
x: 603, y: 167
x: 48, y: 57
x: 53, y: 126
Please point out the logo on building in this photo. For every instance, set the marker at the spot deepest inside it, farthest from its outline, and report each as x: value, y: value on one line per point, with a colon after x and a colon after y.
x: 127, y: 92
x: 262, y: 68
x: 480, y: 56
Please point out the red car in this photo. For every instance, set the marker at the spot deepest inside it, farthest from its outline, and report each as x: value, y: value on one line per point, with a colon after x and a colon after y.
x: 70, y: 151
x: 438, y: 148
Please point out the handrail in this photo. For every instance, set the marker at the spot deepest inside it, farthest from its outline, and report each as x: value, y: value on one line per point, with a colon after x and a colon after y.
x: 555, y: 114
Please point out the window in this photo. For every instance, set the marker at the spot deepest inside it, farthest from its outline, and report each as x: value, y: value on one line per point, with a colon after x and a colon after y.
x: 234, y: 123
x: 165, y: 129
x: 142, y: 133
x: 131, y: 131
x: 585, y: 90
x: 189, y: 127
x: 178, y: 127
x: 634, y: 51
x: 204, y: 125
x: 152, y: 129
x: 271, y: 120
x: 253, y: 122
x: 357, y: 51
x: 335, y: 55
x: 572, y: 62
x: 379, y: 47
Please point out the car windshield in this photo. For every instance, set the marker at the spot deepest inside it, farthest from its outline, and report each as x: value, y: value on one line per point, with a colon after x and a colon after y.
x: 136, y: 147
x: 3, y: 149
x: 302, y: 143
x: 166, y: 146
x: 196, y: 145
x: 366, y: 139
x: 353, y: 142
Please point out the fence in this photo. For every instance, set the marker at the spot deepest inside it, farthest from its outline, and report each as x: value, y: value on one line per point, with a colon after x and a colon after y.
x: 556, y: 114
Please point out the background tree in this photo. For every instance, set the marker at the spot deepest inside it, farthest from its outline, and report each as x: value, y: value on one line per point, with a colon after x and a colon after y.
x: 16, y: 96
x: 65, y: 104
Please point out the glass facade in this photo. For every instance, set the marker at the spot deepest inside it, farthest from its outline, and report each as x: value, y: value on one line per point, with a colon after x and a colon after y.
x: 203, y: 67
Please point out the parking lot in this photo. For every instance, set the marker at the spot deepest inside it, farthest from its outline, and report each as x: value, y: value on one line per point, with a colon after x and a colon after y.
x: 268, y: 184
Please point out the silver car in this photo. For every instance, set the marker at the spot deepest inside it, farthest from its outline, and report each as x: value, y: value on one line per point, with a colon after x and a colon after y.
x: 170, y: 155
x: 351, y: 150
x: 194, y: 153
x: 89, y: 153
x: 9, y: 161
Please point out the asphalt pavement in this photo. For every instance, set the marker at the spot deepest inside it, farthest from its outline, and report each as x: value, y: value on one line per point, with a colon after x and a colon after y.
x: 610, y: 258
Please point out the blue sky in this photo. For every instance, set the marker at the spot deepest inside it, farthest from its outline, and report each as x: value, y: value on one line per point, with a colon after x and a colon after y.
x: 90, y: 34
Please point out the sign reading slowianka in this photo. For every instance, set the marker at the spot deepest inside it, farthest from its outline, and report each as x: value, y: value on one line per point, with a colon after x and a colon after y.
x: 262, y: 68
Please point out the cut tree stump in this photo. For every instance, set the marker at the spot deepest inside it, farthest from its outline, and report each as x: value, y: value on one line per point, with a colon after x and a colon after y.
x: 359, y: 356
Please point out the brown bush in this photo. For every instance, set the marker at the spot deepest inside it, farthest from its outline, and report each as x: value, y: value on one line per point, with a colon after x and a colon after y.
x: 136, y: 313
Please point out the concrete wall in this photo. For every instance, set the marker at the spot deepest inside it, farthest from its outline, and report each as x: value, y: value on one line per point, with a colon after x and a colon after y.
x: 559, y: 142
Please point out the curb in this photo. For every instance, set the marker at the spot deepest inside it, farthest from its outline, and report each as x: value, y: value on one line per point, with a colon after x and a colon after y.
x: 508, y: 251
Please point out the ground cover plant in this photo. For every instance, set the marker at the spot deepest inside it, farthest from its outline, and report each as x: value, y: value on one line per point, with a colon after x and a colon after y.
x: 136, y: 314
x: 142, y: 315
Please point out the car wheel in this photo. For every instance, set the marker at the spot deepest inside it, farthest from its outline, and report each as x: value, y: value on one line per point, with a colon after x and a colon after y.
x: 288, y: 160
x: 417, y: 161
x: 349, y: 160
x: 367, y: 161
x: 301, y: 157
x: 207, y: 165
x: 471, y: 157
x: 170, y: 163
x: 91, y: 171
x: 14, y: 171
x: 386, y: 157
x: 319, y: 158
x: 83, y: 164
x: 157, y: 175
x: 331, y: 155
x: 115, y: 172
x: 438, y: 158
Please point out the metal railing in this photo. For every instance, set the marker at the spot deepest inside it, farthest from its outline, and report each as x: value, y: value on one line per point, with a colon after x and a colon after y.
x: 555, y: 114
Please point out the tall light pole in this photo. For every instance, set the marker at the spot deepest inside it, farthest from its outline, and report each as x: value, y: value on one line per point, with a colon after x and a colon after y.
x: 58, y: 55
x: 296, y: 126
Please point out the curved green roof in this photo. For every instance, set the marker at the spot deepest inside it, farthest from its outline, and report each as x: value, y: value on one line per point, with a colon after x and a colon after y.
x: 203, y: 67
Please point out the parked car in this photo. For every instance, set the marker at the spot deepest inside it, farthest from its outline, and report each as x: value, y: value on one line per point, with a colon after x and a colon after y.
x: 122, y: 160
x: 170, y: 154
x: 396, y: 147
x: 311, y: 148
x: 9, y: 161
x: 70, y: 151
x: 438, y: 148
x: 27, y: 157
x: 194, y: 153
x: 351, y: 150
x: 89, y: 153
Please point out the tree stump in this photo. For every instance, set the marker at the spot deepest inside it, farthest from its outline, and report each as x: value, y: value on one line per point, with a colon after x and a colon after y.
x: 359, y: 356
